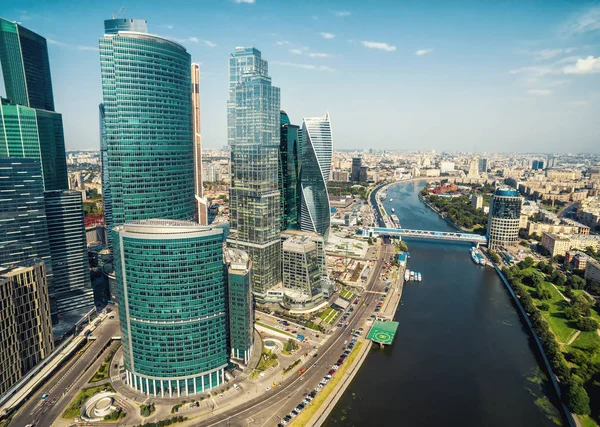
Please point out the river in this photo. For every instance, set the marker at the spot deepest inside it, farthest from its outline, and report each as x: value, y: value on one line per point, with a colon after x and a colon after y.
x: 461, y: 356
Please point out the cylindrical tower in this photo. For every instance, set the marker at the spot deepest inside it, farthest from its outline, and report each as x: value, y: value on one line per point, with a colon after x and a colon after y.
x: 504, y: 218
x: 171, y: 288
x: 147, y: 124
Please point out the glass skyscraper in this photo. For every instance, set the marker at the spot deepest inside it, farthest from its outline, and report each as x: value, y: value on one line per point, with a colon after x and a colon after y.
x: 317, y: 149
x: 172, y: 292
x: 241, y: 311
x: 289, y: 173
x: 25, y: 66
x: 253, y: 124
x: 72, y: 288
x: 147, y: 124
x: 504, y: 217
x: 106, y: 196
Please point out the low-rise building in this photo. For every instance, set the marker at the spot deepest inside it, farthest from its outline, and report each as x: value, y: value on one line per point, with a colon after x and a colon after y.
x: 592, y: 271
x: 559, y: 244
x: 577, y: 259
x: 538, y: 228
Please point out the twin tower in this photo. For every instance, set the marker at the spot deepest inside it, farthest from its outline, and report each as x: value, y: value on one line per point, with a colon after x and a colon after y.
x: 185, y: 302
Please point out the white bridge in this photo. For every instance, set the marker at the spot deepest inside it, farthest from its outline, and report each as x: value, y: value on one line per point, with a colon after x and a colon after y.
x: 426, y: 234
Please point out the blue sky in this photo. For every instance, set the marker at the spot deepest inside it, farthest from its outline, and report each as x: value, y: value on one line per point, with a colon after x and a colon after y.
x: 485, y: 76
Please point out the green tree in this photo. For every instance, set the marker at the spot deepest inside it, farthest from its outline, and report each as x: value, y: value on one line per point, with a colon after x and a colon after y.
x: 526, y: 263
x: 578, y: 399
x: 587, y: 324
x: 545, y: 294
x: 544, y: 306
x: 571, y: 313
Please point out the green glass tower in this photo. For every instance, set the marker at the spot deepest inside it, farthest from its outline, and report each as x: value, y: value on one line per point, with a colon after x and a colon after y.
x: 253, y: 122
x: 172, y: 293
x: 147, y: 124
x: 25, y: 66
x: 290, y: 161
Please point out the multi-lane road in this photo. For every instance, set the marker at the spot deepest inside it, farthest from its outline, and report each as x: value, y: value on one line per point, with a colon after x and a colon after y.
x: 61, y: 387
x: 267, y: 410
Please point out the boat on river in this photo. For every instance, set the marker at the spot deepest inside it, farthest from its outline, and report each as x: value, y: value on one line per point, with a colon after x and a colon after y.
x: 474, y: 255
x: 419, y: 277
x: 407, y: 275
x: 391, y: 200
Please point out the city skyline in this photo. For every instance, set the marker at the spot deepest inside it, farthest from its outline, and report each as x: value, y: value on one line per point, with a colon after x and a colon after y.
x: 473, y: 87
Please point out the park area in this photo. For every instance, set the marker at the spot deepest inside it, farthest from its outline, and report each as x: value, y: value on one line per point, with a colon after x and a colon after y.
x: 330, y: 315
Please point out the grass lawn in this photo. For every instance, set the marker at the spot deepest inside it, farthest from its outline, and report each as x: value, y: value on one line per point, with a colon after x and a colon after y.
x: 587, y: 341
x: 304, y: 417
x: 275, y: 329
x: 562, y: 327
x: 330, y: 315
x: 263, y: 364
x: 347, y: 294
x: 74, y: 408
x: 101, y: 373
x: 587, y: 421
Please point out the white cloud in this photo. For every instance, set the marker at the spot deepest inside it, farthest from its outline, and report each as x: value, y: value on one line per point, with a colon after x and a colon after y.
x: 422, y: 52
x: 170, y: 27
x: 327, y: 35
x: 539, y: 92
x: 545, y: 54
x: 193, y: 39
x: 244, y: 1
x: 343, y: 13
x: 577, y: 103
x: 296, y: 51
x: 583, y: 22
x: 589, y: 65
x: 318, y: 55
x: 379, y: 45
x: 282, y: 42
x: 209, y: 43
x: 55, y: 42
x: 303, y: 66
x: 92, y: 48
x: 533, y: 71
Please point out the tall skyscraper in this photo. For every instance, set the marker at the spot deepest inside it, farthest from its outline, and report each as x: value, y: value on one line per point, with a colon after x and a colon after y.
x: 25, y: 327
x: 172, y: 292
x: 106, y: 194
x: 355, y: 172
x: 25, y: 66
x: 23, y: 227
x: 290, y: 156
x: 149, y: 135
x: 504, y: 217
x: 317, y: 149
x: 483, y: 165
x: 253, y: 125
x: 72, y: 289
x: 201, y: 202
x: 241, y: 311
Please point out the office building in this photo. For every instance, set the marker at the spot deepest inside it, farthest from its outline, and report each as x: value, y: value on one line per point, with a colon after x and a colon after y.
x: 72, y: 288
x: 355, y: 171
x: 504, y: 218
x: 363, y: 176
x: 483, y: 165
x: 147, y: 124
x: 559, y: 244
x: 25, y: 327
x: 477, y: 201
x: 253, y: 126
x: 106, y: 194
x: 537, y: 165
x: 592, y: 271
x: 317, y: 148
x: 201, y: 202
x: 172, y: 293
x: 303, y: 269
x: 23, y: 228
x: 290, y: 156
x: 241, y: 310
x: 446, y: 167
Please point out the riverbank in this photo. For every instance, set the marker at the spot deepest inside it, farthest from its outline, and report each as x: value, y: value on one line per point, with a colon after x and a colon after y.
x: 571, y: 418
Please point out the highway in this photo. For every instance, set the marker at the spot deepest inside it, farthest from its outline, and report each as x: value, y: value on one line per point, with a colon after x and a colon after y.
x: 60, y: 386
x: 267, y: 410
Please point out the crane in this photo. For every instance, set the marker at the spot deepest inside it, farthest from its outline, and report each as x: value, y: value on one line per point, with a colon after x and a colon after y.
x: 118, y: 13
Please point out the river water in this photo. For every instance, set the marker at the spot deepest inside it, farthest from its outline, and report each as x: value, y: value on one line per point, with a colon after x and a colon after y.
x: 461, y: 356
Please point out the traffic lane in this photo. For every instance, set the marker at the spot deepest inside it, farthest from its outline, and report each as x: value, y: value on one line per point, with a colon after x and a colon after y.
x: 42, y: 413
x: 242, y: 415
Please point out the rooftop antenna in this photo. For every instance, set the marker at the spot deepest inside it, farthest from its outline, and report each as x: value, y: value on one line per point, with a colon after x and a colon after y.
x: 118, y: 13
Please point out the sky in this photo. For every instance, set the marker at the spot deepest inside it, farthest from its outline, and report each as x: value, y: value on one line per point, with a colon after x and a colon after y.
x: 452, y: 75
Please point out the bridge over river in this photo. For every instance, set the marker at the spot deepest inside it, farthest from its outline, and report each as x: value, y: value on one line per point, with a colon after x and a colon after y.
x: 426, y: 234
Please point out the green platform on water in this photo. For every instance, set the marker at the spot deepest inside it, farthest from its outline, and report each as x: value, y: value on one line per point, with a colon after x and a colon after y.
x: 383, y: 332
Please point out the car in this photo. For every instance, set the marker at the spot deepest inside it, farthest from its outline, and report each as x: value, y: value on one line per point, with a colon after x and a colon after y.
x: 237, y: 387
x: 373, y: 316
x: 282, y: 423
x: 340, y: 325
x: 316, y: 355
x: 331, y: 372
x: 287, y: 329
x: 44, y: 396
x: 343, y: 356
x: 360, y: 329
x: 340, y: 361
x: 335, y: 367
x: 299, y: 408
x: 328, y: 377
x: 312, y: 394
x: 319, y: 388
x: 111, y: 317
x: 287, y: 418
x: 306, y: 402
x: 308, y: 398
x: 268, y: 388
x: 294, y: 413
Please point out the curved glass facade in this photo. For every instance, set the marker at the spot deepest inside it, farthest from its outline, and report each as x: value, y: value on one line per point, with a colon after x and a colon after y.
x: 504, y: 218
x: 289, y: 173
x: 146, y: 87
x: 171, y: 287
x: 317, y: 148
